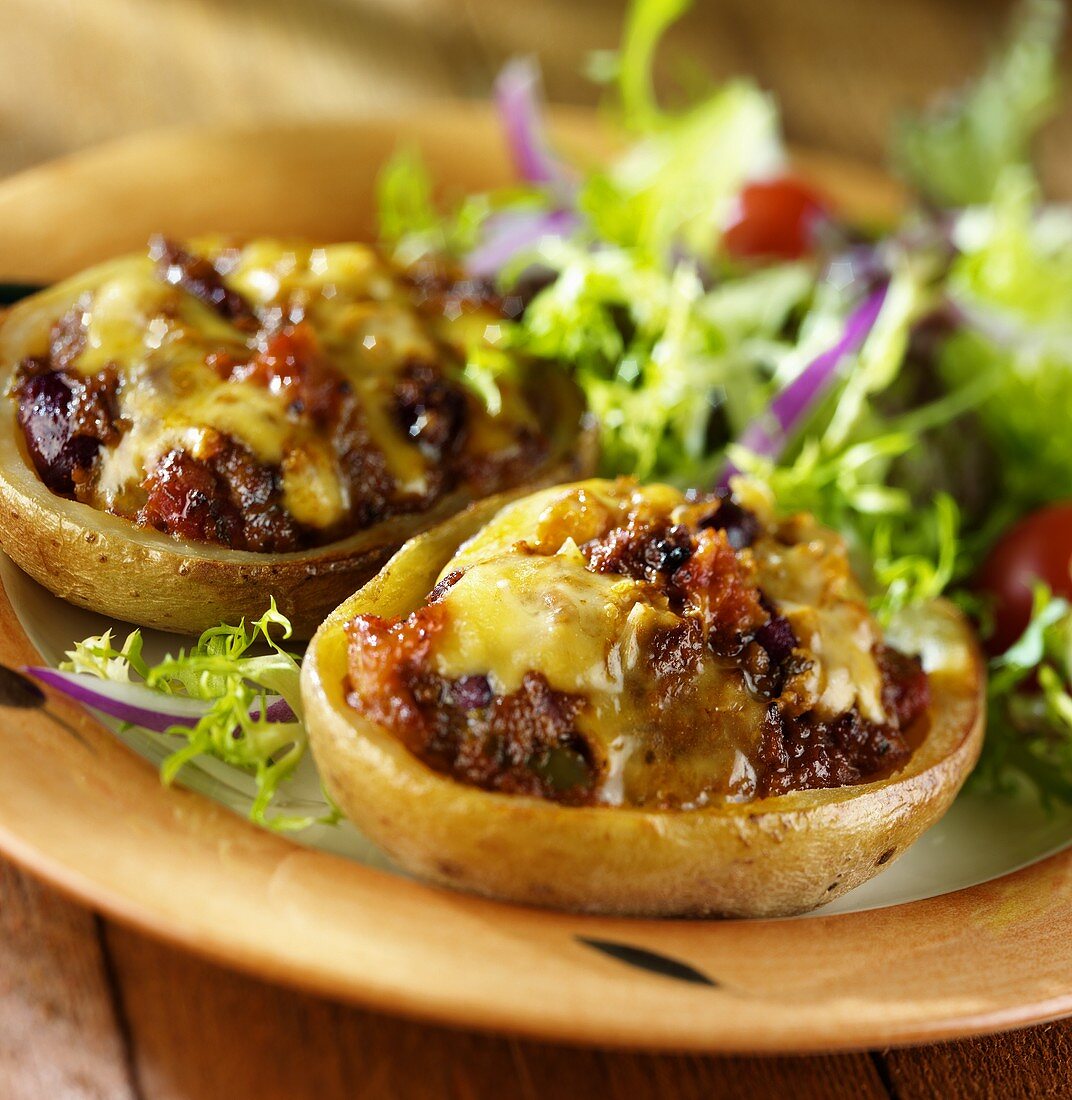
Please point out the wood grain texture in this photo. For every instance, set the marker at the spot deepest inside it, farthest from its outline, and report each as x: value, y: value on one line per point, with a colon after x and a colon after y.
x: 1024, y: 1065
x: 73, y: 74
x: 200, y: 1031
x: 59, y: 1034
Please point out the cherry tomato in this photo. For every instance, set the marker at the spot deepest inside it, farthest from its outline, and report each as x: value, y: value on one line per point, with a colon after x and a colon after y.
x: 774, y: 218
x: 1038, y: 548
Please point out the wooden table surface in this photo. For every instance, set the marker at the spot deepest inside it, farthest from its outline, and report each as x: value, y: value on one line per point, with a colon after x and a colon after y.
x: 91, y: 1009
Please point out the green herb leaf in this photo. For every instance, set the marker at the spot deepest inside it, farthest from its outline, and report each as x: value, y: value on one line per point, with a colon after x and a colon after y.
x: 1012, y: 283
x: 404, y: 197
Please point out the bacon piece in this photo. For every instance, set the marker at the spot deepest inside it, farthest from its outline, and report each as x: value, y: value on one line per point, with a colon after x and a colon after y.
x: 807, y: 753
x: 186, y: 499
x: 256, y: 492
x: 641, y: 549
x: 702, y: 571
x: 292, y: 361
x: 227, y: 498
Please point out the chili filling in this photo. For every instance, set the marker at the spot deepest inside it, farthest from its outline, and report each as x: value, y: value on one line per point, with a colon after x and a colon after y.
x: 270, y: 397
x: 607, y: 644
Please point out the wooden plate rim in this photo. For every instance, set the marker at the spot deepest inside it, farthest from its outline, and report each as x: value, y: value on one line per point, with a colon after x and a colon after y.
x: 81, y: 811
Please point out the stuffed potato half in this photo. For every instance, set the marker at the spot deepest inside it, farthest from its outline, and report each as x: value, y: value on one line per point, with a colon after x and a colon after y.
x: 756, y: 854
x: 164, y: 350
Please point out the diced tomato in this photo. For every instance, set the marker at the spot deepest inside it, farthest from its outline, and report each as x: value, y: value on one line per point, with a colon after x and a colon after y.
x: 774, y: 219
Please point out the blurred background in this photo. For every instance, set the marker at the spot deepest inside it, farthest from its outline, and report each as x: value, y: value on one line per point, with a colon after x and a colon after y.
x: 77, y: 72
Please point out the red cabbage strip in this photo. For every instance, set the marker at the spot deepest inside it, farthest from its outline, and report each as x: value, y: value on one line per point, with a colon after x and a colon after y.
x: 279, y: 710
x: 140, y: 705
x: 511, y: 232
x: 517, y: 95
x: 766, y: 436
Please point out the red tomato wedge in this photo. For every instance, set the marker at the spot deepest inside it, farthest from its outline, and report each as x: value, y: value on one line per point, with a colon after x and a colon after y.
x: 1038, y: 548
x: 774, y: 219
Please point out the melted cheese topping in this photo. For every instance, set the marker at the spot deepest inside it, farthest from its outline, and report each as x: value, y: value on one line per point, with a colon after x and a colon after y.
x: 513, y: 613
x: 527, y: 601
x: 159, y: 339
x: 814, y: 588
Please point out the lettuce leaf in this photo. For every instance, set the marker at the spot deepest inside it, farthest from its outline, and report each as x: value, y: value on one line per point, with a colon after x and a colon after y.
x: 955, y: 152
x: 645, y: 24
x: 404, y: 201
x: 674, y: 187
x: 1029, y: 727
x: 238, y: 670
x: 671, y: 369
x: 1012, y: 287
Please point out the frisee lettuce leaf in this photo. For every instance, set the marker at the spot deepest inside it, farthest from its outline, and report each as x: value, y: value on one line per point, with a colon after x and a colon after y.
x: 1029, y: 728
x: 225, y: 669
x: 674, y: 187
x: 404, y: 197
x: 842, y: 466
x: 1012, y: 286
x: 664, y: 362
x: 645, y: 24
x: 955, y: 152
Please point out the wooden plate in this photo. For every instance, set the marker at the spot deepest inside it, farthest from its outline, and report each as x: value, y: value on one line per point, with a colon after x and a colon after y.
x: 79, y: 809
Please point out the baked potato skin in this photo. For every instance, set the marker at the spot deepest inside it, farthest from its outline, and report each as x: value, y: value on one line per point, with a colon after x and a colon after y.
x: 110, y: 565
x: 768, y: 858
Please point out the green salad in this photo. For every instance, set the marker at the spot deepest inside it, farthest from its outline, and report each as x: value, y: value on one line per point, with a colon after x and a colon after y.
x: 910, y: 384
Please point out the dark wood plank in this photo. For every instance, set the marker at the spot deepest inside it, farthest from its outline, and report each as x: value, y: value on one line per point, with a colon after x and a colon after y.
x: 1021, y: 1065
x: 202, y: 1031
x: 59, y: 1035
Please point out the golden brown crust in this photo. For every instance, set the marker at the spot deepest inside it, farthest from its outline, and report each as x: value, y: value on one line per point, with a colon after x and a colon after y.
x: 770, y: 857
x: 110, y: 565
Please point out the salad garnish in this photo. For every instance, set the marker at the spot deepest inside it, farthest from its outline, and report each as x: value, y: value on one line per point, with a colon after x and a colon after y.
x: 234, y: 695
x: 955, y: 153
